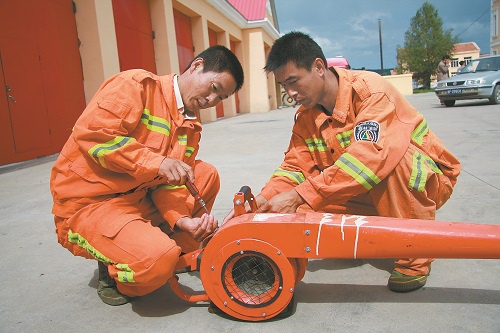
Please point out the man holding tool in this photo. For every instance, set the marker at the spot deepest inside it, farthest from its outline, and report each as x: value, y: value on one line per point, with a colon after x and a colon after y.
x: 119, y: 184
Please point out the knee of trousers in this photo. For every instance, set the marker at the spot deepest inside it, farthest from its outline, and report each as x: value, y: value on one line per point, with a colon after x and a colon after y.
x: 147, y: 279
x: 62, y: 230
x: 206, y: 176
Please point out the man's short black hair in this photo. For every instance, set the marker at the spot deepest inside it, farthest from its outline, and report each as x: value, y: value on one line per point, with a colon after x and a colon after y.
x: 446, y: 56
x: 294, y: 46
x: 220, y: 59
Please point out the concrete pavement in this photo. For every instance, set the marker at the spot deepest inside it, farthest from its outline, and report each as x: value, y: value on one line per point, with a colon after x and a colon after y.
x: 43, y: 288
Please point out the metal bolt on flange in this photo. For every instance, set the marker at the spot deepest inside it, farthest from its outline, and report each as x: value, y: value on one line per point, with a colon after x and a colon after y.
x: 308, y: 249
x: 308, y: 232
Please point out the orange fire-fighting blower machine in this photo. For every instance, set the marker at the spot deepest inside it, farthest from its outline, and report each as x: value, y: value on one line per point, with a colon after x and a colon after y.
x: 250, y: 266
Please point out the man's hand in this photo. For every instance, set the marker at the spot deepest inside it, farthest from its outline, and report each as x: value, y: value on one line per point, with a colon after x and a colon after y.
x: 175, y: 171
x: 259, y: 201
x: 198, y: 227
x: 286, y: 202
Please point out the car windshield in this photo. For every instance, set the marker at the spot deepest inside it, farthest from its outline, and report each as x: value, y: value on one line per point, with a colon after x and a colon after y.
x: 482, y: 65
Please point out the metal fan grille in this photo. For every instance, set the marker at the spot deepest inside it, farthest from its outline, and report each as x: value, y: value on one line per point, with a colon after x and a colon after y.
x: 252, y: 279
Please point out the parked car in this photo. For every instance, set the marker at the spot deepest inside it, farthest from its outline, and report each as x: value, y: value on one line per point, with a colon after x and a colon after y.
x: 480, y: 79
x: 338, y: 61
x: 416, y: 85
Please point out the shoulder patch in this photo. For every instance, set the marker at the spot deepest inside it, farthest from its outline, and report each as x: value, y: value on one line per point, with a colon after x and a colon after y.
x: 367, y: 131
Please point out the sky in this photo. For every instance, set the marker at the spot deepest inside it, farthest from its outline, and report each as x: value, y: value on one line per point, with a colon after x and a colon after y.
x: 349, y: 28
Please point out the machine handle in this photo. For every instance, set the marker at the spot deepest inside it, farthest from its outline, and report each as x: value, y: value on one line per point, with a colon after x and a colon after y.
x: 174, y: 285
x: 244, y: 195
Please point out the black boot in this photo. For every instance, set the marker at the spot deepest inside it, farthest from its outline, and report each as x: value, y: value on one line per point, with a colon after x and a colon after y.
x: 107, y: 290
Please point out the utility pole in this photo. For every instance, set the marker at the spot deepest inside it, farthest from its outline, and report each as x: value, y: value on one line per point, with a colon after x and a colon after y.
x: 380, y: 39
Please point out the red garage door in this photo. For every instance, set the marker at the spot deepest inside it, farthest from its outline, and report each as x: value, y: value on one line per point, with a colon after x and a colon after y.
x: 41, y: 74
x: 184, y: 37
x: 134, y: 34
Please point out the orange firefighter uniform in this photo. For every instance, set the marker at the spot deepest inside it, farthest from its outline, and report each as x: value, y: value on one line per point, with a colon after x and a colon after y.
x: 375, y: 155
x: 109, y: 202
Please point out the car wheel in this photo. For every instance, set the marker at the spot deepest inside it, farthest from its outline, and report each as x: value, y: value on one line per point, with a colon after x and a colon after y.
x: 495, y: 97
x: 449, y: 103
x: 287, y: 100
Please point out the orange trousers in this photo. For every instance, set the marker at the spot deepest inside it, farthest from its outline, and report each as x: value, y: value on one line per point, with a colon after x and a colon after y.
x: 129, y: 234
x: 392, y: 197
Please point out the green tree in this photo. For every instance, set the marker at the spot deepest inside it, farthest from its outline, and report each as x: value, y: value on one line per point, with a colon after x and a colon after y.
x: 425, y: 44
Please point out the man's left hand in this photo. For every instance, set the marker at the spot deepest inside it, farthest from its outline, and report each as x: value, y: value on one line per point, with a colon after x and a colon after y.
x: 286, y: 202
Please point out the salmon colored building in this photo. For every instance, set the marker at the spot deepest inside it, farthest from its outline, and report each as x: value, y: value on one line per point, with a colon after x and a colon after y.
x: 494, y: 30
x: 463, y: 52
x: 54, y: 55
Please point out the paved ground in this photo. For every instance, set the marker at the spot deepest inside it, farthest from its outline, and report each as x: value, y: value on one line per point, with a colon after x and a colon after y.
x: 43, y: 288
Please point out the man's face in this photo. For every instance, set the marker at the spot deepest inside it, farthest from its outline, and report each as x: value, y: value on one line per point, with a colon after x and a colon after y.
x: 305, y: 87
x: 206, y: 89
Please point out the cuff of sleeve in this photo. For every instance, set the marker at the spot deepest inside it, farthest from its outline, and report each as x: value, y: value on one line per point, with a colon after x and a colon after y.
x: 307, y: 191
x: 151, y: 165
x: 173, y: 216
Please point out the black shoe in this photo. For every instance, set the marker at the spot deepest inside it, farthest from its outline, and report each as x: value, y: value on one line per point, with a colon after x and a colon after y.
x: 403, y: 283
x: 107, y: 290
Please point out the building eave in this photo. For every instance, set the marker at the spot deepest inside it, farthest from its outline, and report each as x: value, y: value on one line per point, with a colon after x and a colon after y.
x: 232, y: 14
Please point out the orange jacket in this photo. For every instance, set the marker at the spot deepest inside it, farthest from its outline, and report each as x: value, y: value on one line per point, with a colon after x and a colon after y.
x: 118, y: 143
x: 333, y: 158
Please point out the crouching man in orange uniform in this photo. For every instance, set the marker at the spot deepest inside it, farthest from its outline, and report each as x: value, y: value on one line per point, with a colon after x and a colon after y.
x: 357, y: 147
x: 118, y: 184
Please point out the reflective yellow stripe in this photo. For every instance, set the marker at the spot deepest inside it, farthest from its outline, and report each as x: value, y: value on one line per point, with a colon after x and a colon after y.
x: 99, y: 150
x: 77, y: 239
x: 155, y: 124
x: 419, y: 132
x: 418, y: 175
x: 183, y: 139
x: 189, y: 151
x: 297, y: 177
x: 125, y: 274
x: 432, y: 165
x: 419, y: 172
x: 316, y: 144
x: 357, y: 170
x: 170, y: 187
x: 344, y: 138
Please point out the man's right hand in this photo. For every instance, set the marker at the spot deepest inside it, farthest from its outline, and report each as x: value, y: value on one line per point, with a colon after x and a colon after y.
x: 175, y: 171
x: 198, y: 227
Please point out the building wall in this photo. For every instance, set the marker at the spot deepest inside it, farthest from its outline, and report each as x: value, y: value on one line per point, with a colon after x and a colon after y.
x: 96, y: 30
x: 459, y: 56
x: 494, y: 31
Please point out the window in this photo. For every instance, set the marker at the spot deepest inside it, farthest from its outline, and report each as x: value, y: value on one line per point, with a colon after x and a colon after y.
x: 467, y: 60
x: 454, y: 62
x: 494, y: 23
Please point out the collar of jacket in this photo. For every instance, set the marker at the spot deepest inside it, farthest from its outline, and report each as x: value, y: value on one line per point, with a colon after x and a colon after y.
x: 342, y: 103
x: 167, y: 87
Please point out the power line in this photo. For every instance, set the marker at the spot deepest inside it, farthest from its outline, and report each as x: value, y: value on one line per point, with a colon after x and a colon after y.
x: 474, y: 22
